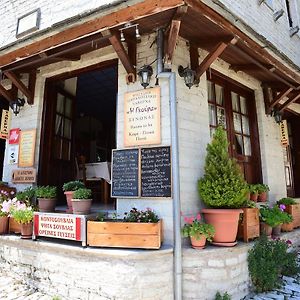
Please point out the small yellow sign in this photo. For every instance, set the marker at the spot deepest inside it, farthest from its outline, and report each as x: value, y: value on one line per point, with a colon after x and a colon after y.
x: 284, y: 135
x: 5, y: 124
x: 27, y: 148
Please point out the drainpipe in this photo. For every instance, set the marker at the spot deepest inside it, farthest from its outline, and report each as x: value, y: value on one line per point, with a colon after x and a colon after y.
x: 175, y: 169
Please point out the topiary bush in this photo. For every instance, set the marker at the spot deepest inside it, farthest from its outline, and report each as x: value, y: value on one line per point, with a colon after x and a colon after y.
x: 223, y: 185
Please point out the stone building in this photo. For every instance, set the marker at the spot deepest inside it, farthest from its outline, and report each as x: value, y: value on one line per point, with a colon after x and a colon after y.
x: 74, y: 62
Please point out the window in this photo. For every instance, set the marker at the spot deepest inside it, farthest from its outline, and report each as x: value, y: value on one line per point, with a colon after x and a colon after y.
x: 293, y: 16
x: 269, y: 3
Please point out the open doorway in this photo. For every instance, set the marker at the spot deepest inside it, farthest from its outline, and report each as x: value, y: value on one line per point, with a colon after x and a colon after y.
x: 79, y: 130
x: 3, y: 106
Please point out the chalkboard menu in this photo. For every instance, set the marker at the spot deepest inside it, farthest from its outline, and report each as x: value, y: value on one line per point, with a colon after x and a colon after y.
x: 156, y: 172
x: 125, y: 173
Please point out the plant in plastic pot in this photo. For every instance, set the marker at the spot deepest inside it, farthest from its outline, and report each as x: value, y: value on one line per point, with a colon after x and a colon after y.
x: 82, y: 201
x: 69, y: 188
x: 223, y: 189
x: 24, y: 216
x: 46, y: 196
x: 262, y: 190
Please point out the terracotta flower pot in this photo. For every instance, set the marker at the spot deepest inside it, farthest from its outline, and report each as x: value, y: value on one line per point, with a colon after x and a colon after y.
x: 81, y: 206
x: 262, y: 197
x: 3, y: 225
x: 265, y: 229
x: 253, y: 197
x: 26, y: 230
x: 69, y: 196
x: 47, y: 204
x: 276, y: 230
x: 287, y: 227
x: 198, y: 244
x: 225, y: 222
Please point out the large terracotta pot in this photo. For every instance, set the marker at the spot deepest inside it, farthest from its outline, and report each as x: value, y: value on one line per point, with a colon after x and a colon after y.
x: 26, y: 230
x: 198, y: 244
x: 265, y: 229
x: 81, y: 206
x: 276, y: 230
x: 47, y: 204
x: 3, y: 225
x: 69, y: 196
x: 225, y: 222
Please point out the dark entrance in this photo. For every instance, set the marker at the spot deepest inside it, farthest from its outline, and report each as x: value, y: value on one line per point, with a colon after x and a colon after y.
x: 79, y: 123
x: 3, y: 105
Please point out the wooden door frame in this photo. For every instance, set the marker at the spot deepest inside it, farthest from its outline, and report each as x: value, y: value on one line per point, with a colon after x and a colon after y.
x: 44, y: 155
x: 229, y: 85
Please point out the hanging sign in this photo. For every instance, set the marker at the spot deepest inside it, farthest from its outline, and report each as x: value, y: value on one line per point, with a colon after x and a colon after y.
x: 142, y: 117
x: 14, y: 136
x: 5, y: 124
x: 24, y: 176
x: 284, y: 135
x: 13, y: 154
x: 27, y: 147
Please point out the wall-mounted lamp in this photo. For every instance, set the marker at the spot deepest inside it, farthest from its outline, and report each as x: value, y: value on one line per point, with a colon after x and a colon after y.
x: 145, y: 74
x: 277, y: 116
x: 127, y: 26
x: 188, y: 75
x: 15, y: 105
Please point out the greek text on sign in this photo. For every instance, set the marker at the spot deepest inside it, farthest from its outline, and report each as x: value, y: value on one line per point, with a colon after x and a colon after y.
x: 62, y: 227
x: 142, y: 117
x: 284, y: 136
x: 24, y: 176
x: 5, y: 124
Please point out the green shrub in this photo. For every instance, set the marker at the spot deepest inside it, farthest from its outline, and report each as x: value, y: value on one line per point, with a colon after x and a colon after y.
x: 141, y: 216
x: 223, y: 185
x: 226, y: 296
x: 23, y: 216
x: 253, y: 188
x: 249, y: 204
x: 26, y: 196
x: 286, y: 201
x: 267, y: 260
x: 274, y: 216
x: 82, y: 193
x: 262, y: 188
x: 45, y: 192
x: 73, y: 186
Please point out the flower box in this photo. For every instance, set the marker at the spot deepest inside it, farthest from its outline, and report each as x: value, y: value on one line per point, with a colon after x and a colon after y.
x: 294, y: 210
x: 124, y: 234
x: 249, y: 225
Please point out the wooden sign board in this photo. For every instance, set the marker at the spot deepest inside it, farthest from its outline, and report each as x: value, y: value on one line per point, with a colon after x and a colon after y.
x: 27, y: 148
x: 142, y: 117
x: 144, y: 172
x: 284, y: 135
x: 24, y: 176
x: 5, y: 124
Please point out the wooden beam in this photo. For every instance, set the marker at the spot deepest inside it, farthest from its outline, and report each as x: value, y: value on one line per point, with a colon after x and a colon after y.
x: 132, y: 53
x: 19, y: 84
x: 267, y: 99
x: 288, y: 102
x: 118, y: 17
x: 278, y: 98
x: 123, y: 56
x: 5, y: 93
x: 211, y: 57
x: 249, y: 67
x: 31, y: 86
x: 194, y: 56
x: 210, y: 41
x: 174, y: 32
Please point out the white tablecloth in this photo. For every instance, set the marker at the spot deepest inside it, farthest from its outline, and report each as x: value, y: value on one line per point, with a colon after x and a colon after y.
x: 95, y: 171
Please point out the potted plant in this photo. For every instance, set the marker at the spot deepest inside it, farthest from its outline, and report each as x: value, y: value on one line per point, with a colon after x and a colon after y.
x: 223, y: 189
x: 197, y: 231
x: 138, y: 229
x: 4, y: 213
x: 27, y: 196
x: 293, y: 208
x: 46, y: 196
x: 249, y: 222
x: 262, y: 190
x: 24, y: 216
x: 69, y: 188
x: 253, y: 192
x: 82, y: 201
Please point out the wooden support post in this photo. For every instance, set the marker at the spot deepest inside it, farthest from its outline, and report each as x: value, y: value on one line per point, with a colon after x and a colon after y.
x: 194, y: 56
x: 31, y: 86
x: 278, y: 98
x: 5, y: 93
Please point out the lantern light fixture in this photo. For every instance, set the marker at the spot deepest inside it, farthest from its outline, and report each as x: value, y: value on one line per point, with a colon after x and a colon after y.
x: 145, y: 74
x: 15, y: 105
x: 188, y: 75
x: 277, y: 116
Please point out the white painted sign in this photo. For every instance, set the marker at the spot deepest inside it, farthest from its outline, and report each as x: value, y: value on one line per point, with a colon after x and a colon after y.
x: 13, y: 154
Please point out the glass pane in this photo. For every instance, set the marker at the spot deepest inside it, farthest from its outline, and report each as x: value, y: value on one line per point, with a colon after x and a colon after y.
x: 239, y: 144
x: 66, y: 150
x: 237, y: 122
x: 60, y: 103
x: 235, y: 101
x: 247, y: 146
x: 245, y: 125
x: 243, y: 105
x: 212, y: 115
x: 57, y: 148
x: 219, y: 95
x: 221, y: 116
x: 212, y: 131
x: 58, y: 125
x: 67, y: 129
x: 210, y: 88
x: 68, y: 111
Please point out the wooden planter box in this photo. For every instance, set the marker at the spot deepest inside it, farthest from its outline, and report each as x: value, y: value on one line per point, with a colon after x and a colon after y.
x: 249, y: 226
x: 124, y: 234
x: 294, y: 210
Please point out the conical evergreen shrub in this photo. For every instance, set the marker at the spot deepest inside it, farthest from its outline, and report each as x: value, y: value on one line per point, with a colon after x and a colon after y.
x: 223, y: 185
